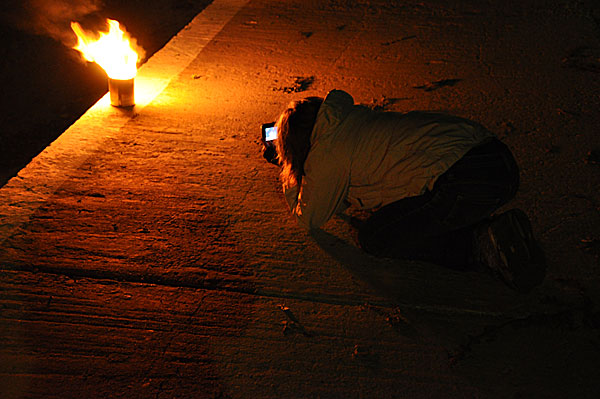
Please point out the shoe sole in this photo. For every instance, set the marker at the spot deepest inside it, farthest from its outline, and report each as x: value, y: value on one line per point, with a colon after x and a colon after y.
x: 523, y: 263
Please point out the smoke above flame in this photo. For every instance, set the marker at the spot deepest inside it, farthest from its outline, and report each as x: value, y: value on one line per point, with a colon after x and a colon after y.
x: 48, y: 17
x: 112, y: 50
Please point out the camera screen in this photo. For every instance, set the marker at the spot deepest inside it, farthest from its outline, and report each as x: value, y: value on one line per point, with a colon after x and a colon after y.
x: 271, y: 133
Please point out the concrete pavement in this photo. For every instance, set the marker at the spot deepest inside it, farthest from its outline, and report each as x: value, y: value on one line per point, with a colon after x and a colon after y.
x: 150, y: 252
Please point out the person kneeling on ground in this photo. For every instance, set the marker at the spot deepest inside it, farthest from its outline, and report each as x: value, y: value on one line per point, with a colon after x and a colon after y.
x: 431, y: 181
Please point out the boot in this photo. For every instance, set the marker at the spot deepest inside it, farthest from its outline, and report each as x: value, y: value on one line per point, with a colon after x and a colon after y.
x: 505, y: 245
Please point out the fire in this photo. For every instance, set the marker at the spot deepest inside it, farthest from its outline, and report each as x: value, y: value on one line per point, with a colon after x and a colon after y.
x: 113, y: 50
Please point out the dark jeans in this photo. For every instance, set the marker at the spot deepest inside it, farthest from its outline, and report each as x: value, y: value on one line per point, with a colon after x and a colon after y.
x: 438, y: 225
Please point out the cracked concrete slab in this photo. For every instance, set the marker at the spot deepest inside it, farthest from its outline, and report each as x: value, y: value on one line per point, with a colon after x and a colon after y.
x: 150, y: 252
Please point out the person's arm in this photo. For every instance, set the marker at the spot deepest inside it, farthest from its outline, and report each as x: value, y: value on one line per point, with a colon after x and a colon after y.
x: 321, y: 192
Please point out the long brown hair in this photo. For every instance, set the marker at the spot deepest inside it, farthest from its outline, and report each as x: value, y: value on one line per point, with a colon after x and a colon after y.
x: 295, y: 126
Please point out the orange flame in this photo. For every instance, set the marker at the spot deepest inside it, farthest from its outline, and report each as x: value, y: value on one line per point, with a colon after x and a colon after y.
x: 112, y: 50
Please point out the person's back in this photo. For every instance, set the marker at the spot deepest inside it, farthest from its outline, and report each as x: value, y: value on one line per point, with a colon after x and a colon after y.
x: 385, y: 155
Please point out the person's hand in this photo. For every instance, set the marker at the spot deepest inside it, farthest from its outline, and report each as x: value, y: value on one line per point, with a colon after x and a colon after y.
x: 270, y: 154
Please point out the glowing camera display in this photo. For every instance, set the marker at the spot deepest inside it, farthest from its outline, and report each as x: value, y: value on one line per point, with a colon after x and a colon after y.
x: 269, y: 132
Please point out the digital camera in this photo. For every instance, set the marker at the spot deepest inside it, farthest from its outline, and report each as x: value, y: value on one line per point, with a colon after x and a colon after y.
x: 269, y: 133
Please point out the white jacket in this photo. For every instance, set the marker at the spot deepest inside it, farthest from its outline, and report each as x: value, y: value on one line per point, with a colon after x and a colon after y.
x: 368, y: 159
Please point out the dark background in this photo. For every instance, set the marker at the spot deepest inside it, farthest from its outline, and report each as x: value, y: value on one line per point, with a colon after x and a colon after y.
x: 45, y: 84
